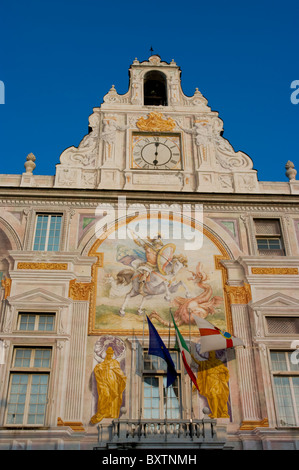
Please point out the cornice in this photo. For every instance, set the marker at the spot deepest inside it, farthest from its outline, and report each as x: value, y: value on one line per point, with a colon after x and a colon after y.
x: 230, y: 207
x: 40, y: 257
x: 87, y: 198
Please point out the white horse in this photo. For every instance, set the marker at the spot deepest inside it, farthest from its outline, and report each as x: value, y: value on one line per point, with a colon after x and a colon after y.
x: 147, y: 284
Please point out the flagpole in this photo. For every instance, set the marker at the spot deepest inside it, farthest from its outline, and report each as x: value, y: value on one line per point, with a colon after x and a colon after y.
x: 191, y: 401
x: 131, y: 378
x: 141, y: 381
x: 165, y: 388
x: 158, y: 348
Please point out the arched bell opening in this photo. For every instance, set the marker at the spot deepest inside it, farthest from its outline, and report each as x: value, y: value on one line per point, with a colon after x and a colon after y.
x: 155, y: 89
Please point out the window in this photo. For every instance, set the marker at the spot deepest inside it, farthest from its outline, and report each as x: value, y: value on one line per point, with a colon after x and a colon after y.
x: 28, y: 388
x: 47, y: 232
x: 269, y: 237
x: 286, y: 387
x: 36, y: 321
x: 160, y: 402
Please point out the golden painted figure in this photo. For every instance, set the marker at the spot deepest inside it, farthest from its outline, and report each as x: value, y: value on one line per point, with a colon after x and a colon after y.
x: 111, y: 382
x: 212, y: 380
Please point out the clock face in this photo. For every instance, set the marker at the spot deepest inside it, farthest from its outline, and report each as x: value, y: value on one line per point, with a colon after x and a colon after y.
x: 157, y: 152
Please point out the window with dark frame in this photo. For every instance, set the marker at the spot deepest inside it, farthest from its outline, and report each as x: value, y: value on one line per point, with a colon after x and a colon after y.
x: 269, y: 237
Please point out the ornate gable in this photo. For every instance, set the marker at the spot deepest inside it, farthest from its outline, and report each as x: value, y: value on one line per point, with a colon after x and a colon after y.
x: 156, y: 107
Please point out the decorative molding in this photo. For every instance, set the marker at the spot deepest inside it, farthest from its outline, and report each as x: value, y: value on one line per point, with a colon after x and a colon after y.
x: 155, y: 122
x: 239, y: 294
x: 6, y: 284
x: 275, y: 271
x: 80, y: 290
x: 276, y: 301
x: 76, y: 426
x: 83, y: 204
x: 44, y: 266
x: 250, y: 425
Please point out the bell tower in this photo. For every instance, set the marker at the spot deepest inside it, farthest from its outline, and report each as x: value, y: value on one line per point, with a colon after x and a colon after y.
x: 156, y: 138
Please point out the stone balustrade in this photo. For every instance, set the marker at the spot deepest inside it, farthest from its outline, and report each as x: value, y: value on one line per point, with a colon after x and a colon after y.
x: 126, y: 433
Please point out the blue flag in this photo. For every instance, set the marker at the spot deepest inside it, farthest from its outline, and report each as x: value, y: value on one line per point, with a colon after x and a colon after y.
x: 158, y: 348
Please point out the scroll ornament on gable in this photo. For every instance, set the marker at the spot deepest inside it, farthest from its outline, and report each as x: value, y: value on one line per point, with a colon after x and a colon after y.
x: 84, y: 156
x: 198, y: 101
x: 213, y: 149
x: 78, y: 165
x: 112, y: 96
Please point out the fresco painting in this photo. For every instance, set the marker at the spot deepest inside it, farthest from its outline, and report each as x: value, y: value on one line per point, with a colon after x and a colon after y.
x: 155, y: 275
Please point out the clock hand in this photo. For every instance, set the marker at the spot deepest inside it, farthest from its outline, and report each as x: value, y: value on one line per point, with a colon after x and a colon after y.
x: 156, y: 153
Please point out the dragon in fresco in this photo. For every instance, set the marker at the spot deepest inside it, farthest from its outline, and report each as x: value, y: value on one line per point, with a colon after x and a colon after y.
x: 202, y: 305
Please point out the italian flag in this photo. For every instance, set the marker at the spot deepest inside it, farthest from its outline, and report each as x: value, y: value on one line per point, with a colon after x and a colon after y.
x: 185, y: 354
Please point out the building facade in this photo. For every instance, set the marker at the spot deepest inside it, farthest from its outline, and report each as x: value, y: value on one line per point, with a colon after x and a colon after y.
x: 153, y: 215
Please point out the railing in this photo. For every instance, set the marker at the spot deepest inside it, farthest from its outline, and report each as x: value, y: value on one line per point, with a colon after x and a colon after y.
x: 126, y: 432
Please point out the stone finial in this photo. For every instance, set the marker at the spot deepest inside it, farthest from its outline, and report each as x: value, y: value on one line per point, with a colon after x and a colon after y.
x: 291, y: 172
x: 112, y: 90
x: 29, y: 164
x: 112, y: 96
x: 206, y: 412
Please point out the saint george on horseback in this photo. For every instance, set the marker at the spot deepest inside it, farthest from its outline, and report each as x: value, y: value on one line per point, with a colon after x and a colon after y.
x: 154, y: 269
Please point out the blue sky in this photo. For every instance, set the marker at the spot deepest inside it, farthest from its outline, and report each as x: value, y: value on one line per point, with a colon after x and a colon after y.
x: 59, y: 58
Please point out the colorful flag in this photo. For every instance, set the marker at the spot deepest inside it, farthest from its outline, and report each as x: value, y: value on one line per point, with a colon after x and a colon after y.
x: 187, y: 359
x: 158, y: 348
x: 212, y: 338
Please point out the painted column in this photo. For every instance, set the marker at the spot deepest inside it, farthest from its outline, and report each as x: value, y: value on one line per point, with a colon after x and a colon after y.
x: 239, y: 296
x: 76, y: 365
x: 79, y: 292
